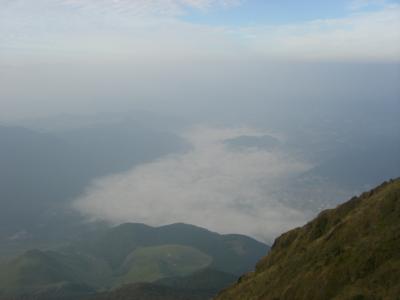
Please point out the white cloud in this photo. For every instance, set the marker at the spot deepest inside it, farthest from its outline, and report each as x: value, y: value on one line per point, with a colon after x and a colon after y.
x: 152, y: 29
x: 360, y: 4
x: 224, y: 190
x: 97, y: 30
x: 138, y: 8
x: 372, y: 36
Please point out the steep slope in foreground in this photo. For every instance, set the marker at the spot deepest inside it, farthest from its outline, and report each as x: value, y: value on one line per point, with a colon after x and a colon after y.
x: 351, y: 252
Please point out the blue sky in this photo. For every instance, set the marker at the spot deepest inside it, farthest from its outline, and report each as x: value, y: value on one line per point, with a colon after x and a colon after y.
x: 273, y: 12
x: 286, y: 29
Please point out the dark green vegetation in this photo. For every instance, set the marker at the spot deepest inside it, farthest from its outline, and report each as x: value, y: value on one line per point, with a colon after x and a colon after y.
x: 151, y: 263
x: 177, y: 259
x: 200, y: 285
x: 207, y: 280
x: 150, y: 291
x: 351, y: 252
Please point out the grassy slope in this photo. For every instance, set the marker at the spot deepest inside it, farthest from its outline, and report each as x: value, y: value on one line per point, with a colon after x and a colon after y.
x: 201, y: 285
x: 125, y: 254
x: 230, y: 253
x: 351, y: 252
x: 37, y: 271
x: 207, y: 279
x: 148, y: 291
x: 147, y: 264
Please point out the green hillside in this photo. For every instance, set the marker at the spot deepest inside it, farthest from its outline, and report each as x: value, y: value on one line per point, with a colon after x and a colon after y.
x: 41, y: 271
x: 207, y: 280
x: 351, y: 252
x: 148, y: 264
x: 230, y: 253
x: 149, y: 291
x: 34, y: 268
x: 126, y: 254
x: 201, y: 285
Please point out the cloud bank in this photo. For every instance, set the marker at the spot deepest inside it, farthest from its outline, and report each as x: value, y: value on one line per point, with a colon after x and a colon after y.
x: 134, y: 30
x: 212, y: 185
x: 362, y: 36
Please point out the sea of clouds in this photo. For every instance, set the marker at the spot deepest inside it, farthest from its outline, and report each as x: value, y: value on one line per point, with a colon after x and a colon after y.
x: 211, y: 185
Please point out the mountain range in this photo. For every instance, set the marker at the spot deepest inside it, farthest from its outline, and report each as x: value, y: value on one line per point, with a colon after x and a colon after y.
x: 177, y: 257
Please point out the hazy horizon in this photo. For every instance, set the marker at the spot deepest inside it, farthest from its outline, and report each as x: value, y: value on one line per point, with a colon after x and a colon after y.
x: 134, y: 101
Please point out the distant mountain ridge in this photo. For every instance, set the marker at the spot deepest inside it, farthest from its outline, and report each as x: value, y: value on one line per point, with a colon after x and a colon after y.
x: 128, y: 254
x: 351, y: 252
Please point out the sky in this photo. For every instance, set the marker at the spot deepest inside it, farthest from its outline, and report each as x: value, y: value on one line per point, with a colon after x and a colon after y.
x: 227, y: 68
x: 46, y: 31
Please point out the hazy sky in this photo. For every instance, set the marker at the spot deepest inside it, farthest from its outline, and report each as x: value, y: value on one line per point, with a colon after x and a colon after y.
x: 98, y: 30
x: 255, y: 63
x: 76, y: 55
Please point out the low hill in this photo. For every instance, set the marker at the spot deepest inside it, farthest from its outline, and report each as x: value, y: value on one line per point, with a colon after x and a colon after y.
x: 131, y: 253
x: 209, y: 281
x: 351, y: 252
x: 201, y: 285
x: 49, y: 272
x: 147, y: 264
x: 230, y: 253
x: 148, y: 291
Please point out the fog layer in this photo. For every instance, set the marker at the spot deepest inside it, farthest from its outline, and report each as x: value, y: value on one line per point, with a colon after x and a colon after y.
x: 212, y: 185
